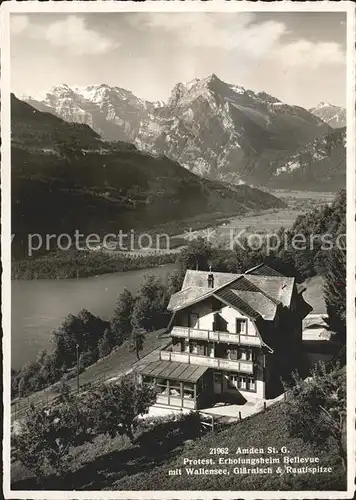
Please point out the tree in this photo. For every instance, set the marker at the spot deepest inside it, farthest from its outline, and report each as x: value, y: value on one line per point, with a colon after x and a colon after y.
x: 114, y: 408
x: 46, y: 434
x: 316, y: 411
x: 175, y: 281
x: 121, y: 319
x: 149, y: 311
x: 197, y: 255
x: 137, y: 340
x: 335, y: 291
x: 83, y: 329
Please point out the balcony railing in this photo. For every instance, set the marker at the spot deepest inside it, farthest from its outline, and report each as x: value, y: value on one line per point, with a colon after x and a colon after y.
x: 218, y: 363
x: 213, y: 336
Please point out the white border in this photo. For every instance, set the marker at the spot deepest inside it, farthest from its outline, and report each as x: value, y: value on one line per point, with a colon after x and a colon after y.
x: 177, y: 6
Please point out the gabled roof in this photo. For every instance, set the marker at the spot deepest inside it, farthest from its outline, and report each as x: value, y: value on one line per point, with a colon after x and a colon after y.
x: 253, y: 293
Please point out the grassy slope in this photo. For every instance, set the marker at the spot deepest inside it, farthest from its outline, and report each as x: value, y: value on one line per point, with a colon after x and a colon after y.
x: 116, y: 465
x: 117, y: 362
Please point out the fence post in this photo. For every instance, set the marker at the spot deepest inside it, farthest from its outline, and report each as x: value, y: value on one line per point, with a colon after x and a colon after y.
x: 240, y: 418
x: 264, y: 405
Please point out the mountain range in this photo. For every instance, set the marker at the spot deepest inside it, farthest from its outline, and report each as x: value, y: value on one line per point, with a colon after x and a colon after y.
x: 65, y: 177
x: 217, y: 130
x: 319, y: 164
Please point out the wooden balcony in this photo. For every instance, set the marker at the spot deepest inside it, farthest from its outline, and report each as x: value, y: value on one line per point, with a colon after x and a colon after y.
x: 241, y: 366
x: 212, y: 336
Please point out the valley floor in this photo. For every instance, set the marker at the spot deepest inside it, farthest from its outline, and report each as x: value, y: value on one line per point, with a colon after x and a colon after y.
x: 218, y: 228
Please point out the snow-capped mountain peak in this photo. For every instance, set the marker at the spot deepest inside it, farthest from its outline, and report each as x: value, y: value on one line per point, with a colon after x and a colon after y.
x: 335, y: 116
x: 216, y: 129
x: 113, y: 112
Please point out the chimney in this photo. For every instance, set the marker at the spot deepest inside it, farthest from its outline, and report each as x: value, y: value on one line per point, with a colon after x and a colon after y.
x: 210, y: 279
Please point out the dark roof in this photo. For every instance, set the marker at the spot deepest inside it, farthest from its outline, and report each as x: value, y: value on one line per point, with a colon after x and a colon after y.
x: 228, y: 295
x: 263, y: 270
x: 172, y: 370
x: 245, y: 284
x: 259, y: 302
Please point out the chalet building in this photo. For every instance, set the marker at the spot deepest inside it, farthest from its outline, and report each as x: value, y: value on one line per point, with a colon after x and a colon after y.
x: 233, y: 336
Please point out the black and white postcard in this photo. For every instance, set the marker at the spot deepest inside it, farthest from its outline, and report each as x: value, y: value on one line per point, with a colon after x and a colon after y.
x: 178, y: 249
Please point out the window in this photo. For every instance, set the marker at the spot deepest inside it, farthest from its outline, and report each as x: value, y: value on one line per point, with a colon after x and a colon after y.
x: 210, y: 350
x: 174, y: 388
x: 193, y: 320
x: 252, y: 384
x: 188, y: 390
x: 242, y: 382
x: 161, y: 385
x: 240, y: 325
x: 194, y: 348
x: 246, y: 355
x: 186, y: 346
x: 233, y: 379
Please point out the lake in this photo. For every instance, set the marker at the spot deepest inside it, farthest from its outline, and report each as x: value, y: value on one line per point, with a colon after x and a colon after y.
x: 39, y: 306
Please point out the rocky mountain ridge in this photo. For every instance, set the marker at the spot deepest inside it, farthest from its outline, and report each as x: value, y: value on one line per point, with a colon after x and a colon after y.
x: 113, y: 112
x: 335, y: 116
x: 214, y: 129
x: 320, y: 164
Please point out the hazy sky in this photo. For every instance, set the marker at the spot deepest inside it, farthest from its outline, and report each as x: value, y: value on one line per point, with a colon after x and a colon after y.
x: 298, y: 57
